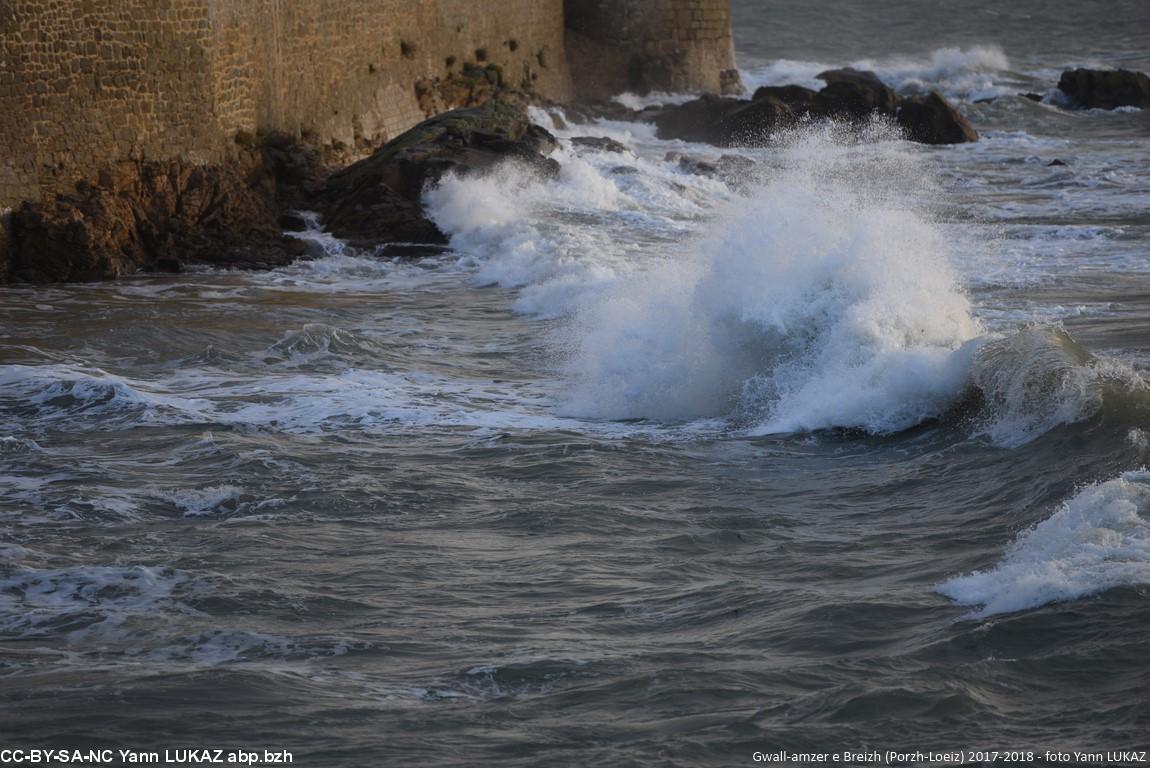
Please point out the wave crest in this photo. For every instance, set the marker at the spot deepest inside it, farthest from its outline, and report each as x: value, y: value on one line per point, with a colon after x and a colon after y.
x: 1098, y: 540
x: 826, y: 300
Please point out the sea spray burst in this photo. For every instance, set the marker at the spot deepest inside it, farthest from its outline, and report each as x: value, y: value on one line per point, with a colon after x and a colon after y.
x: 824, y: 300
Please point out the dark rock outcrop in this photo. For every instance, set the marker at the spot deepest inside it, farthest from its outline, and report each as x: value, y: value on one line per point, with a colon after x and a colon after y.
x: 377, y: 200
x: 722, y: 121
x: 697, y: 120
x: 298, y: 170
x: 292, y: 222
x: 850, y: 95
x: 931, y: 120
x: 853, y: 94
x: 749, y: 123
x: 153, y: 216
x: 474, y: 85
x: 796, y: 97
x: 5, y: 249
x: 1105, y: 89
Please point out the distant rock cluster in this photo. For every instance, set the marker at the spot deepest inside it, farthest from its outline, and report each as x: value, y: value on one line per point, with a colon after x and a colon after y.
x: 849, y: 95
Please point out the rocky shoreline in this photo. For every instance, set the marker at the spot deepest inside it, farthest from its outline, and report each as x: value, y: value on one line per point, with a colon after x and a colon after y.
x: 146, y: 216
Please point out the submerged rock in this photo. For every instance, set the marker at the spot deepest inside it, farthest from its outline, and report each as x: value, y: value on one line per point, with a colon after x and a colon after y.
x: 377, y: 200
x: 599, y: 144
x: 931, y: 120
x: 1105, y: 89
x: 734, y: 170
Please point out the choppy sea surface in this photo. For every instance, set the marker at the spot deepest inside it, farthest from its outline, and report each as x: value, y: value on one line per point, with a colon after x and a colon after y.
x: 652, y: 469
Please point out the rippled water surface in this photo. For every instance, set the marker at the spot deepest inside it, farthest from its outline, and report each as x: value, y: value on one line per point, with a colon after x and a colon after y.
x: 653, y: 469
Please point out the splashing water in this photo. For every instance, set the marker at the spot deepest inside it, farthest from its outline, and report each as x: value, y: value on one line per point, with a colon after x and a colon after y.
x: 825, y: 300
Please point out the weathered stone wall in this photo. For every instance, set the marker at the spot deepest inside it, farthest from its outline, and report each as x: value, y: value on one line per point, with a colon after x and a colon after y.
x: 87, y: 83
x: 345, y: 70
x: 644, y: 45
x: 83, y: 82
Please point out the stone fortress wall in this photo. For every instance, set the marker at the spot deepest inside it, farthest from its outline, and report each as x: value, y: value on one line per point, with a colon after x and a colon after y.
x: 88, y: 83
x: 642, y: 45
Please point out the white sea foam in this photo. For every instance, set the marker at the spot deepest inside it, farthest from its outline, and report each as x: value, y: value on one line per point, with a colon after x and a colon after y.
x: 215, y: 647
x: 61, y: 393
x: 655, y: 98
x: 202, y: 502
x: 77, y: 602
x: 826, y: 300
x: 1098, y: 540
x: 562, y: 242
x: 291, y: 401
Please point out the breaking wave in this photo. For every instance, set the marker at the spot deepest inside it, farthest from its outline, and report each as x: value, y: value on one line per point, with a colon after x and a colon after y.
x: 1039, y: 378
x: 1096, y: 541
x: 825, y: 300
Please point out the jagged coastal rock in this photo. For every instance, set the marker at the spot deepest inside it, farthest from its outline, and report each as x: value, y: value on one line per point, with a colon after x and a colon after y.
x: 931, y: 119
x: 153, y: 216
x: 1105, y: 89
x: 849, y: 95
x: 377, y: 200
